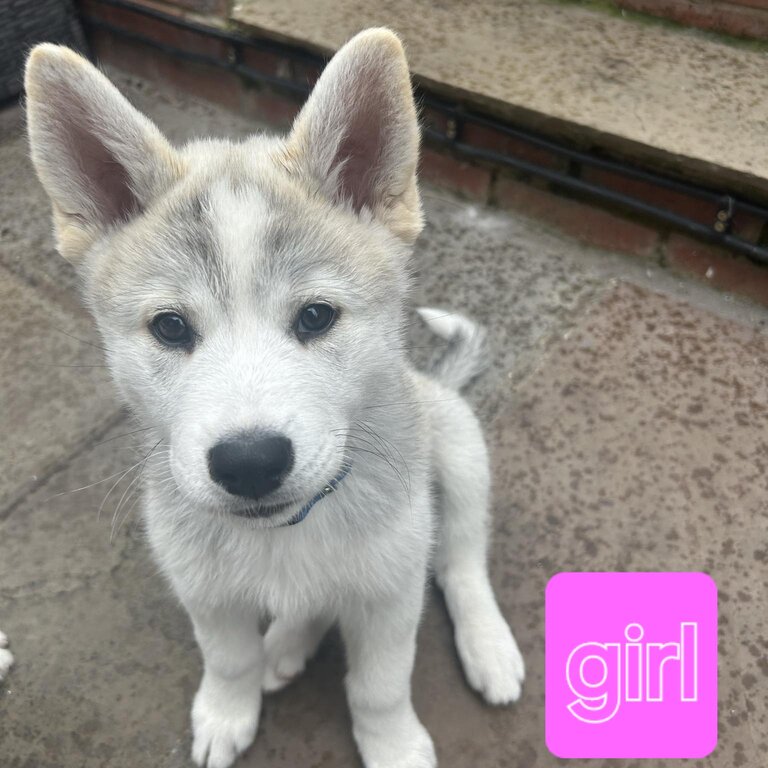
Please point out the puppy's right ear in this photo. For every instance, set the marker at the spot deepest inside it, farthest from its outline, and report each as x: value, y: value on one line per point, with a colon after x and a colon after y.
x: 99, y: 159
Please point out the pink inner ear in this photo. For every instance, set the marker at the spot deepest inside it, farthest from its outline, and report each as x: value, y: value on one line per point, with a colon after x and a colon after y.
x: 107, y: 184
x: 360, y: 155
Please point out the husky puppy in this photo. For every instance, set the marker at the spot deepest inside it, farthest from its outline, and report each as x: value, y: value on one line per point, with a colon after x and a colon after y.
x: 251, y: 297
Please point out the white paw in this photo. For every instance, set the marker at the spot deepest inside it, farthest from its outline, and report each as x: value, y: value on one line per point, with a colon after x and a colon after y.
x: 281, y: 670
x: 492, y: 661
x: 287, y: 648
x: 411, y: 748
x: 222, y: 728
x: 6, y: 657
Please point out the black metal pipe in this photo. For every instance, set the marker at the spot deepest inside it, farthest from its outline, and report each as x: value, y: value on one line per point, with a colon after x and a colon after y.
x: 584, y: 158
x: 573, y: 184
x: 722, y: 201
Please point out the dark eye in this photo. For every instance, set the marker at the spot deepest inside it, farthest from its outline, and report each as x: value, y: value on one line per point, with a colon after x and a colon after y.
x: 314, y: 320
x: 172, y: 330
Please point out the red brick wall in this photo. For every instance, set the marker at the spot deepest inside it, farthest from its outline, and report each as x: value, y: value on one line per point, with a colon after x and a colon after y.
x: 202, y: 7
x: 743, y: 18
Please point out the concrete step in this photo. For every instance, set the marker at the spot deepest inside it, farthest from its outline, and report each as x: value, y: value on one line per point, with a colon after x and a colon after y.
x: 663, y: 96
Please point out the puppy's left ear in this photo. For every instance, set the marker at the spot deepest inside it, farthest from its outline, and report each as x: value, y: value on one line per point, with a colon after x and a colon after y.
x: 357, y: 136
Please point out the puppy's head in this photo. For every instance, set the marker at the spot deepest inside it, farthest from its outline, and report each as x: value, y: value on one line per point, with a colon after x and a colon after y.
x: 250, y: 295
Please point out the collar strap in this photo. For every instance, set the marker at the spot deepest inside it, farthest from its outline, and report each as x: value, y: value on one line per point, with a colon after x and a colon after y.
x: 328, y: 489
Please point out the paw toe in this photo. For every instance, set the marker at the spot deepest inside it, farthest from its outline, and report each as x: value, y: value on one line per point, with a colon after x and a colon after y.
x: 494, y: 665
x: 273, y: 682
x: 280, y: 671
x: 220, y: 735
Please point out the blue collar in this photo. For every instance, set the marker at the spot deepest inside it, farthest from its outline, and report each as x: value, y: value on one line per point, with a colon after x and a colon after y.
x: 328, y: 489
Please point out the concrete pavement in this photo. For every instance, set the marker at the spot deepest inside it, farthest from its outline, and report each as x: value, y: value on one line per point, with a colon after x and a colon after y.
x: 626, y: 414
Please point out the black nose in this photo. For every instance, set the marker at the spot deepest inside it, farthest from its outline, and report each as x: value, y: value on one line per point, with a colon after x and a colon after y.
x: 251, y: 465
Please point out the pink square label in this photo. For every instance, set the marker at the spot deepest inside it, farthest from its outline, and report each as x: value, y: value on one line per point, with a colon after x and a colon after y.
x: 631, y: 665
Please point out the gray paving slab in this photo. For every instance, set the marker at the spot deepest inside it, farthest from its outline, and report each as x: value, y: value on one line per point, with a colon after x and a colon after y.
x: 54, y: 390
x: 104, y: 664
x: 26, y: 237
x: 639, y: 444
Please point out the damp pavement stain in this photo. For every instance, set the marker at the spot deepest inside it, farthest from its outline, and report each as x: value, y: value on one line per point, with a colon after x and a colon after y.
x: 625, y: 414
x: 640, y: 444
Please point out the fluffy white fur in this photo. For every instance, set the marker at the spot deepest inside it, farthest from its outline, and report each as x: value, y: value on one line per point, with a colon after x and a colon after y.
x: 6, y: 657
x: 238, y: 237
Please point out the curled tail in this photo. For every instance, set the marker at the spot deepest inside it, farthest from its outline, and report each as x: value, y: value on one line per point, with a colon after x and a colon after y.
x: 465, y: 356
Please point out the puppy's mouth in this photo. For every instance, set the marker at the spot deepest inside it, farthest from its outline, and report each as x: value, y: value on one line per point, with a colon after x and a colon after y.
x: 263, y: 510
x: 269, y: 511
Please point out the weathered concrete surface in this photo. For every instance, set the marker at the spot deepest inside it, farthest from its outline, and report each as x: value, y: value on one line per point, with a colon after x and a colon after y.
x: 640, y: 444
x: 55, y: 389
x: 26, y: 240
x: 645, y: 90
x: 93, y: 630
x: 626, y: 428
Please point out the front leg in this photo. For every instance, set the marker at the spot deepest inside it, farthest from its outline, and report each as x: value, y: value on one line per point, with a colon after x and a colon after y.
x: 380, y: 640
x: 225, y: 713
x: 288, y: 645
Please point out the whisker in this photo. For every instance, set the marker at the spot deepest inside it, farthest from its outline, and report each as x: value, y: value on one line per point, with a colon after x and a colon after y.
x: 130, y: 509
x: 82, y: 341
x: 125, y: 434
x: 91, y: 485
x: 117, y: 482
x: 379, y: 455
x: 411, y: 402
x: 435, y: 345
x: 62, y: 365
x: 119, y: 503
x: 114, y: 532
x: 389, y: 443
x: 420, y: 321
